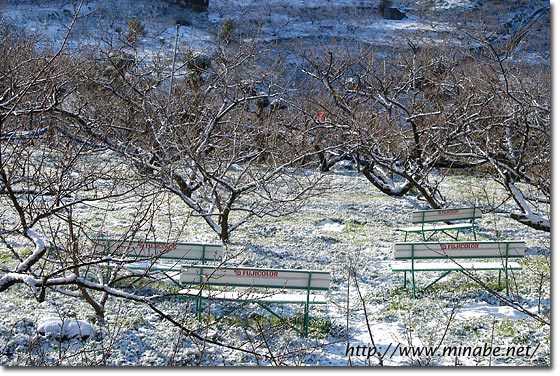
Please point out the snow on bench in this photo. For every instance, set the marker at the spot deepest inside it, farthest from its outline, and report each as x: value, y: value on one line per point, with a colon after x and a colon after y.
x: 443, y: 220
x: 412, y: 252
x: 262, y: 286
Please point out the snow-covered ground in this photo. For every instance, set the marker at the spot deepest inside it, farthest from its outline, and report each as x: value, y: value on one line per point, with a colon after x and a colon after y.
x: 350, y: 231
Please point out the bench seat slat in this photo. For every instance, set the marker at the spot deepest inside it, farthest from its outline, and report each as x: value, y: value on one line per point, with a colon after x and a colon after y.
x: 142, y: 250
x: 256, y: 277
x: 451, y: 266
x: 481, y: 249
x: 442, y: 215
x: 154, y: 267
x: 435, y: 227
x: 247, y: 296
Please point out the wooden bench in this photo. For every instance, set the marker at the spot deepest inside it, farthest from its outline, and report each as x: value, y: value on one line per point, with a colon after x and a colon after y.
x: 413, y: 252
x: 166, y: 258
x: 262, y: 286
x: 430, y: 222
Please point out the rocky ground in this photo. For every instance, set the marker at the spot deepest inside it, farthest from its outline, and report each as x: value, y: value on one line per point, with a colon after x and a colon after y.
x: 283, y: 22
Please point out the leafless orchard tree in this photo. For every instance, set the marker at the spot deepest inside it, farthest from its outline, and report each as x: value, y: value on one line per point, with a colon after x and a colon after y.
x: 507, y: 115
x: 47, y: 169
x: 388, y: 115
x: 413, y: 115
x: 223, y: 138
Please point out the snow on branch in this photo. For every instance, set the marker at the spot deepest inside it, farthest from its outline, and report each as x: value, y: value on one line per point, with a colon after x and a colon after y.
x: 35, y: 255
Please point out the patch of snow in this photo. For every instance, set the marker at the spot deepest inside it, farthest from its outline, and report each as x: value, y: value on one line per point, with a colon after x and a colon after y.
x: 331, y: 225
x: 64, y: 329
x: 476, y: 310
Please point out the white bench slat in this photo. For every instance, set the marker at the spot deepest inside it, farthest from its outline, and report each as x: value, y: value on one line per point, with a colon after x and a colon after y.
x: 175, y: 267
x: 162, y: 250
x: 255, y: 277
x: 406, y: 266
x: 464, y: 249
x: 442, y: 215
x: 436, y: 227
x: 249, y: 296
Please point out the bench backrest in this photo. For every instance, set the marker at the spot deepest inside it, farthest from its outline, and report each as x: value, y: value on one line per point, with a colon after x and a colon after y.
x: 162, y: 250
x: 255, y: 277
x: 437, y: 250
x: 444, y: 215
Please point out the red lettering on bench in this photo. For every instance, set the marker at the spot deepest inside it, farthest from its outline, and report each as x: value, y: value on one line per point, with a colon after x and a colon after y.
x: 166, y: 246
x: 256, y: 273
x: 458, y: 246
x: 450, y: 211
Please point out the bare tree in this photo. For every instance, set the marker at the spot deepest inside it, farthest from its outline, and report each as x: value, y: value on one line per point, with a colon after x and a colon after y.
x: 522, y: 158
x: 225, y: 142
x: 47, y: 169
x: 412, y: 116
x: 504, y: 102
x: 388, y: 115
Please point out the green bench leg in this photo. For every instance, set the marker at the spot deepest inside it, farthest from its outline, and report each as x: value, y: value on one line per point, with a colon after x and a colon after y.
x: 199, y: 308
x: 412, y: 281
x: 263, y: 305
x: 438, y: 279
x: 413, y: 284
x: 306, y: 322
x: 506, y: 279
x: 305, y: 317
x: 173, y: 281
x: 499, y: 278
